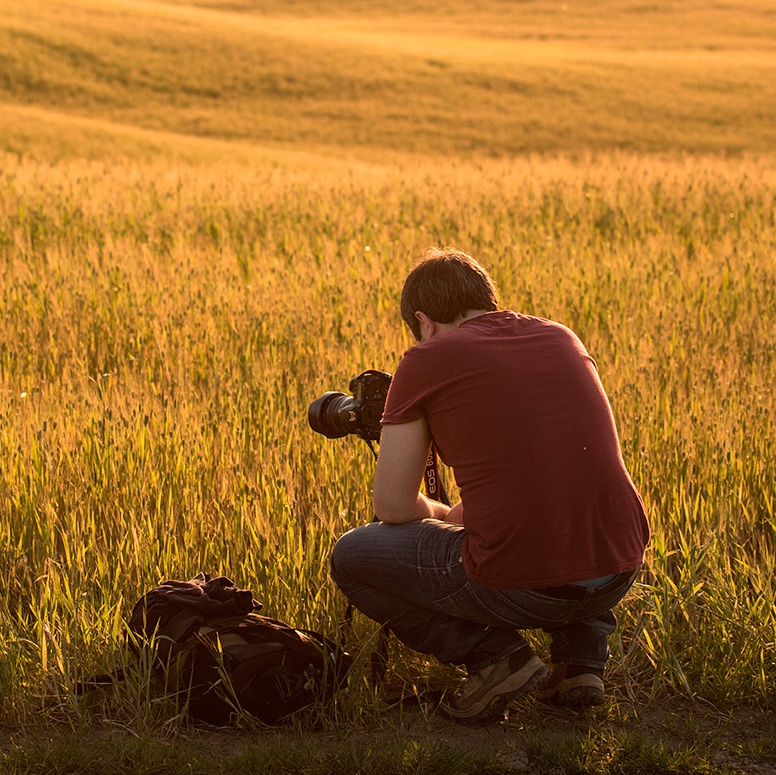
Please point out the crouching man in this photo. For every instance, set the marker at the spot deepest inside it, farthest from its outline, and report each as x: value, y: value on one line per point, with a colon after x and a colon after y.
x: 549, y: 532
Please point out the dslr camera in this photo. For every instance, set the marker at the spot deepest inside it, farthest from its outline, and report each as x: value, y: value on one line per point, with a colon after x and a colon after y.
x: 336, y: 414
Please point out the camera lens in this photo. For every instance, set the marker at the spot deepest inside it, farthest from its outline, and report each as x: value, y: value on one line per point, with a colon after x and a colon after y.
x: 332, y: 415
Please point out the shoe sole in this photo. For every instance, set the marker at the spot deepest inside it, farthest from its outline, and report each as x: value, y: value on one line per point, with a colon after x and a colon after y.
x: 493, y: 704
x: 581, y: 692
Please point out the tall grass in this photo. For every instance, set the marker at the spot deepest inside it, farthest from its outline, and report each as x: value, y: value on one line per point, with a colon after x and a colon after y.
x: 164, y: 329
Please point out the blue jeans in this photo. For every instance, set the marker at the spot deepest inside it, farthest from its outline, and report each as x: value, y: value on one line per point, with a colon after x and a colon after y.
x: 411, y: 578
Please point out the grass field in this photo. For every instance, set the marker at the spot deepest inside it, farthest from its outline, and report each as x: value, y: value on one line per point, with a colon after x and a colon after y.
x: 206, y: 213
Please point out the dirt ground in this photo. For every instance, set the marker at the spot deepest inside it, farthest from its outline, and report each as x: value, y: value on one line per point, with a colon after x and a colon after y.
x: 675, y: 735
x: 537, y: 740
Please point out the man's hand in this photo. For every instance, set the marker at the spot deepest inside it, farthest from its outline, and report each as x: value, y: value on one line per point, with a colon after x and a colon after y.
x: 455, y: 515
x: 400, y: 466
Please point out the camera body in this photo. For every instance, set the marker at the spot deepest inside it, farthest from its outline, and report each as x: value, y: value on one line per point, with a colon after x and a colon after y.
x: 335, y: 414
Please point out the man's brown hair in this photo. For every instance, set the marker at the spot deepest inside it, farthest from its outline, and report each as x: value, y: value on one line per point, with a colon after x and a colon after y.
x: 444, y: 284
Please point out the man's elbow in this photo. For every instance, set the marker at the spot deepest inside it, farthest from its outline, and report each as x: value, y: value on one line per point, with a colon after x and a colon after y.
x: 393, y: 512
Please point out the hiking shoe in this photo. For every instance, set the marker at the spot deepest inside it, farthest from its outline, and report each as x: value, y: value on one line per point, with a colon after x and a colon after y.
x: 572, y: 686
x: 485, y: 694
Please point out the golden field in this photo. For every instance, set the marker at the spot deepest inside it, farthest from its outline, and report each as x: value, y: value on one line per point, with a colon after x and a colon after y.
x: 206, y: 213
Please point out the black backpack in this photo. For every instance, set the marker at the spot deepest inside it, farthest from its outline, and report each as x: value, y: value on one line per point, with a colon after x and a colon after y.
x: 217, y: 654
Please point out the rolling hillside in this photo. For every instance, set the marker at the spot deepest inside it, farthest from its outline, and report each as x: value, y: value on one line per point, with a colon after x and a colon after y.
x: 369, y: 79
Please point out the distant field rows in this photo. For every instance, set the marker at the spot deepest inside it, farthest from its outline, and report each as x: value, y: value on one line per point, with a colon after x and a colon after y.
x: 530, y: 79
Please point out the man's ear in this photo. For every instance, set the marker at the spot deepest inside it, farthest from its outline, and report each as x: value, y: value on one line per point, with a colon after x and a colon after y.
x: 427, y: 326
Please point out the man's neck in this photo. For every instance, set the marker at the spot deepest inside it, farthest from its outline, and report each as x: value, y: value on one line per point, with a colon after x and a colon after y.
x: 471, y: 313
x: 430, y: 328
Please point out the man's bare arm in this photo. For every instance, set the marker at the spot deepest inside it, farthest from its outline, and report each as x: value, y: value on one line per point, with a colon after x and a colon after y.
x: 400, y: 466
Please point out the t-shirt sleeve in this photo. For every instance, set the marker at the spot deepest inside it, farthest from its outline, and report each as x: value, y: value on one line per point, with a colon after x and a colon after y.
x: 405, y: 396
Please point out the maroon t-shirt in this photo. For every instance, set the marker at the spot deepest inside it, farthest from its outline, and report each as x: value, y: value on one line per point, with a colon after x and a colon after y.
x: 516, y: 408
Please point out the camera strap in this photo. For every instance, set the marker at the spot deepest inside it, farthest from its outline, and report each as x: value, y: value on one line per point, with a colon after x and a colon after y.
x: 435, y: 488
